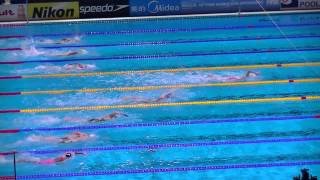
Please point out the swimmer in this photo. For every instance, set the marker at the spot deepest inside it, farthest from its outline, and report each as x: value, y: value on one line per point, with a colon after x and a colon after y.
x: 143, y: 100
x: 77, y: 66
x: 70, y: 138
x: 249, y: 74
x: 59, y: 159
x: 66, y: 67
x: 70, y: 53
x: 61, y: 41
x: 163, y: 97
x: 108, y: 117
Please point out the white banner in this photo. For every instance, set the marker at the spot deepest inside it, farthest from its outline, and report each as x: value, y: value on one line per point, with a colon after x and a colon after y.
x: 12, y: 12
x: 300, y: 4
x: 309, y: 4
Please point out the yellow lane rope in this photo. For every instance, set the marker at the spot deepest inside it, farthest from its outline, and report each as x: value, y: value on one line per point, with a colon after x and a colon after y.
x: 143, y: 88
x: 172, y: 70
x: 212, y: 102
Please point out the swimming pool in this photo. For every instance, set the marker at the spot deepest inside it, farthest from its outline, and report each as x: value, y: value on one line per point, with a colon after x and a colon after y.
x: 164, y: 98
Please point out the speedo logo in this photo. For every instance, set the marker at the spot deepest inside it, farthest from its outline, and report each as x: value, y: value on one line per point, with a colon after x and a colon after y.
x: 51, y: 12
x: 105, y: 8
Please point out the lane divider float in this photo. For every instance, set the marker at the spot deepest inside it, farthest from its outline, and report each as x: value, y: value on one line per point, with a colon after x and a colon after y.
x: 258, y: 66
x: 159, y: 124
x: 166, y: 42
x: 170, y: 30
x: 165, y: 55
x: 171, y: 169
x: 172, y: 104
x: 145, y: 88
x: 170, y: 145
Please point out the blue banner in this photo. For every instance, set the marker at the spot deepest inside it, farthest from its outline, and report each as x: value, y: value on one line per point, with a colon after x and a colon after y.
x: 259, y: 5
x: 209, y: 6
x: 172, y: 7
x: 228, y: 6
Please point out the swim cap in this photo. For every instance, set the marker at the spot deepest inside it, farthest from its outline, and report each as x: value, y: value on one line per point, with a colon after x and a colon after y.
x: 68, y: 155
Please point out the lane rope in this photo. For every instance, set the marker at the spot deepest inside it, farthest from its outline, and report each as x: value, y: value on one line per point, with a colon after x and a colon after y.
x: 179, y: 70
x: 169, y: 42
x: 172, y: 104
x: 180, y: 41
x: 173, y: 169
x: 258, y: 66
x: 160, y: 124
x: 168, y: 30
x: 11, y: 49
x: 146, y: 88
x: 170, y: 145
x: 173, y: 30
x: 167, y: 55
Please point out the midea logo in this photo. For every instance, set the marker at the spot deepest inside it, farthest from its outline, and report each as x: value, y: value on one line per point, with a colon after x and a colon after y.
x: 155, y: 7
x: 105, y: 8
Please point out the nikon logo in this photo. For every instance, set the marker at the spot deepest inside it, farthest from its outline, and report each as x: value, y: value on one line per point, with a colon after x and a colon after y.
x: 53, y: 10
x: 50, y: 12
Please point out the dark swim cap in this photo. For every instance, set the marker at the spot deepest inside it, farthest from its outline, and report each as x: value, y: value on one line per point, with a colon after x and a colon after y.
x: 68, y: 155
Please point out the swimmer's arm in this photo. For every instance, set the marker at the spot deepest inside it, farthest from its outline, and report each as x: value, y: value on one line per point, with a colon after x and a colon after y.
x: 96, y: 120
x: 123, y: 114
x: 64, y: 140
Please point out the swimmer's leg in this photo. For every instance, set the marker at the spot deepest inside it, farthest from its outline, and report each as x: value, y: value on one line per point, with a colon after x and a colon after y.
x: 32, y: 160
x: 74, y: 119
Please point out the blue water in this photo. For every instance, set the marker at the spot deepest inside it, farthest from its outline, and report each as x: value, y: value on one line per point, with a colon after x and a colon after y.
x: 131, y: 45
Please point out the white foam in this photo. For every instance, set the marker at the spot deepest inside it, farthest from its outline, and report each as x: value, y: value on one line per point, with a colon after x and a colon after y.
x: 32, y: 51
x: 47, y: 120
x: 3, y: 160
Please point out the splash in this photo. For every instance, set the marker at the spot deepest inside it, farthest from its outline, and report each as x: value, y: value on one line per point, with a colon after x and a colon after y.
x: 49, y: 69
x: 33, y: 51
x: 47, y: 120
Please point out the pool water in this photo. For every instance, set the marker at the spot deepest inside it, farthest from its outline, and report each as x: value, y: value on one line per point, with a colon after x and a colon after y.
x: 184, y: 98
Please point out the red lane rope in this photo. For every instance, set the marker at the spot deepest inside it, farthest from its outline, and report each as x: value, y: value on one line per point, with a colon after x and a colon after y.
x: 9, y: 131
x: 9, y: 93
x: 9, y: 111
x: 7, y: 177
x: 10, y: 77
x: 12, y: 62
x: 10, y: 49
x: 9, y: 37
x: 7, y: 153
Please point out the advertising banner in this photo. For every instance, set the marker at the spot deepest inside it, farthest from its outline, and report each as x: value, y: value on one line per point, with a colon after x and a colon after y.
x: 103, y: 8
x: 227, y: 6
x: 300, y: 4
x: 259, y: 5
x: 63, y: 10
x: 172, y: 7
x: 273, y: 5
x: 13, y: 12
x: 154, y: 7
x: 209, y: 6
